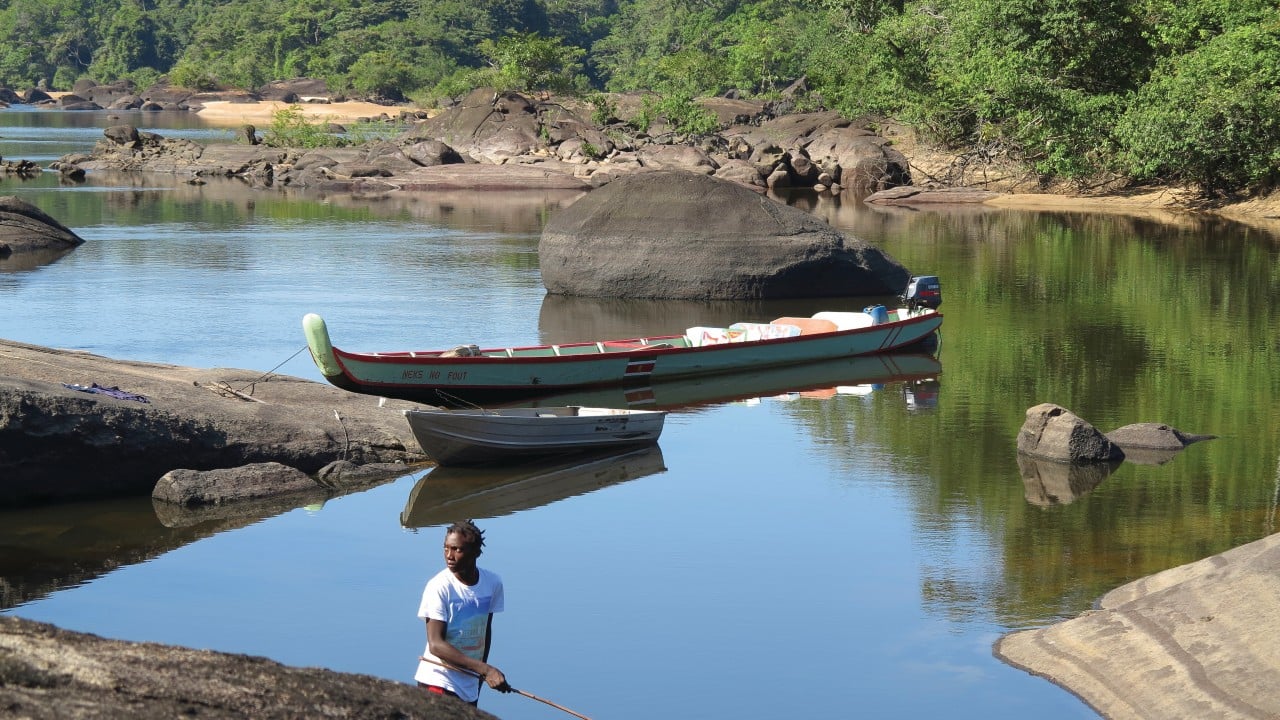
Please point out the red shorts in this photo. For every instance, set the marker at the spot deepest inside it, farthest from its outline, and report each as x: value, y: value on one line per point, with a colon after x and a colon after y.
x: 437, y: 690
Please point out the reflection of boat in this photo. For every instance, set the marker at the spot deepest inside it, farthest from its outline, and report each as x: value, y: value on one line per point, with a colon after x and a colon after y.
x: 845, y: 376
x: 508, y: 374
x: 472, y: 436
x: 921, y: 394
x: 445, y: 495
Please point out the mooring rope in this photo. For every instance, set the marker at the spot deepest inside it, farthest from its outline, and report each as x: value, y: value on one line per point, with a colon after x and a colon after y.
x: 265, y: 377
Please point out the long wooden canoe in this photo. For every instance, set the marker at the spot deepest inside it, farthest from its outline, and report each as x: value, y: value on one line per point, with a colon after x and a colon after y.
x: 505, y: 374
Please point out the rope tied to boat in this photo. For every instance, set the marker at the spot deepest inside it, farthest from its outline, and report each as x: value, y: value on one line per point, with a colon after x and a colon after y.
x: 223, y: 388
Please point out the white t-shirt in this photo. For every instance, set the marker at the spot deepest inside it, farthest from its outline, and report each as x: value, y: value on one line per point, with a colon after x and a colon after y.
x: 465, y: 610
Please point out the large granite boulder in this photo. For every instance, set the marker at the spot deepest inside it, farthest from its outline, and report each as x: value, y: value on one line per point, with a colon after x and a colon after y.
x: 673, y: 234
x: 805, y: 146
x: 488, y: 125
x: 1052, y: 432
x: 26, y: 228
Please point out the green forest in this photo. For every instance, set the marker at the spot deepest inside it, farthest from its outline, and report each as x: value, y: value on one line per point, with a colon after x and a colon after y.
x: 1149, y: 91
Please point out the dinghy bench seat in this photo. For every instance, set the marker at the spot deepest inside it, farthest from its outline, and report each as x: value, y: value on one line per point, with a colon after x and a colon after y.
x: 738, y: 332
x: 846, y: 320
x: 808, y: 326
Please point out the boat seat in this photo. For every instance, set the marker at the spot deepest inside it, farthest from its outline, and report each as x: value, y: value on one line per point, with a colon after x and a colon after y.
x: 846, y: 320
x: 703, y: 336
x: 808, y: 326
x: 763, y: 331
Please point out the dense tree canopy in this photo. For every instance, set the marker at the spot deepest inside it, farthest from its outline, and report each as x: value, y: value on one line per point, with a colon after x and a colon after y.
x: 1168, y: 90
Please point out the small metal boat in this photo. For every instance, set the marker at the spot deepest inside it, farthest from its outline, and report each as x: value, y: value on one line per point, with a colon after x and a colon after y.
x: 477, y: 436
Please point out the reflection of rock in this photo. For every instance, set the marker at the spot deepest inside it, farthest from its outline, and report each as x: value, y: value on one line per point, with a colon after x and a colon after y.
x: 20, y: 262
x: 335, y: 479
x: 1147, y: 456
x: 1057, y: 483
x: 242, y: 512
x: 1054, y: 433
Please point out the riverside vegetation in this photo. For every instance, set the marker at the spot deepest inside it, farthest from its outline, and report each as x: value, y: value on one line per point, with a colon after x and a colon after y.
x: 1081, y: 93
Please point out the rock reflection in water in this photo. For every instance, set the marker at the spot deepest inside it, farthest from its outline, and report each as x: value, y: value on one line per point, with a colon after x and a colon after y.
x: 1053, y: 483
x: 24, y: 261
x: 45, y: 549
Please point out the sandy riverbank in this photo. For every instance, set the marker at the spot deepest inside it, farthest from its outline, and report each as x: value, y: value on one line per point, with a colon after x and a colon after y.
x: 225, y: 113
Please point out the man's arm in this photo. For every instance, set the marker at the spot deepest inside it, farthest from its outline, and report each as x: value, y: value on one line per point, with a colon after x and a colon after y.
x: 451, y: 655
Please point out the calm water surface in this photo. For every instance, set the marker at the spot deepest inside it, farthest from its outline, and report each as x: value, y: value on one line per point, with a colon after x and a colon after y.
x: 850, y: 553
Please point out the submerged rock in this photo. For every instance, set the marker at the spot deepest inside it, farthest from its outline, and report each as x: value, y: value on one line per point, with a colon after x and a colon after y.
x: 1153, y: 436
x: 673, y: 234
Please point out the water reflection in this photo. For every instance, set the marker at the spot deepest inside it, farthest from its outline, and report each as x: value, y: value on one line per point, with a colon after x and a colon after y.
x: 565, y: 319
x: 49, y: 548
x: 26, y: 261
x: 810, y: 379
x: 446, y: 495
x: 1056, y: 483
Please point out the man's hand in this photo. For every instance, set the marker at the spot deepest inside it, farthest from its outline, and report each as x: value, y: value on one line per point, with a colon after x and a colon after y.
x: 496, y: 680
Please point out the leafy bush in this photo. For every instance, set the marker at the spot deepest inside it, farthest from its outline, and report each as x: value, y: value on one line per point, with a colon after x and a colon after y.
x: 290, y: 128
x: 680, y: 112
x: 1211, y: 116
x: 603, y: 110
x: 528, y: 61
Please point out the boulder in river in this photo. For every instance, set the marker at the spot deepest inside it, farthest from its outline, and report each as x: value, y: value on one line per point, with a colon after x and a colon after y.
x: 1052, y: 432
x: 675, y: 234
x: 26, y: 228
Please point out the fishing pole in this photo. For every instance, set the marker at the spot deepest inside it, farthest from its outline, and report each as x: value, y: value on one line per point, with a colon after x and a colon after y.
x: 529, y: 695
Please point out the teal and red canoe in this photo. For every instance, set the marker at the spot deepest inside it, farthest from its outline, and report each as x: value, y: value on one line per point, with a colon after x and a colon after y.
x: 501, y: 375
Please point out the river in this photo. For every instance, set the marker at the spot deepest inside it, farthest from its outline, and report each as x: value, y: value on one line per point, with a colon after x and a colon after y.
x: 852, y: 550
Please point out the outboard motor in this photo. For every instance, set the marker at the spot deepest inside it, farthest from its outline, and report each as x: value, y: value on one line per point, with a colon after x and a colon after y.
x: 923, y: 291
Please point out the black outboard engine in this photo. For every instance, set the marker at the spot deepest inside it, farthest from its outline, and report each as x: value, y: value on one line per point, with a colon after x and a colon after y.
x: 923, y: 291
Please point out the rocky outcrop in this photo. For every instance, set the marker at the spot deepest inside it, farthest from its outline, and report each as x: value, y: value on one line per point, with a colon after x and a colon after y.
x: 1054, y: 433
x: 25, y: 228
x: 755, y: 149
x: 47, y: 673
x: 1196, y: 641
x: 671, y: 234
x: 295, y: 90
x: 123, y: 425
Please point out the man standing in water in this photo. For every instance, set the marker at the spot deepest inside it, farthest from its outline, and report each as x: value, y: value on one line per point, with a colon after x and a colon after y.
x: 458, y: 605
